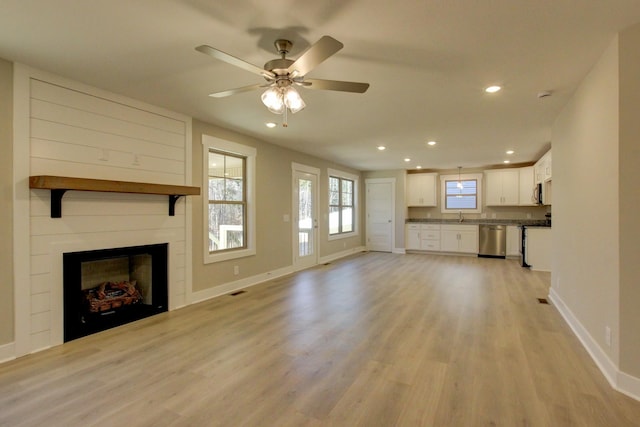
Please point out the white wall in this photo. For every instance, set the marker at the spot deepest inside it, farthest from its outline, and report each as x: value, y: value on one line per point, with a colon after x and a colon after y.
x: 67, y: 129
x: 596, y: 234
x: 629, y: 158
x: 585, y: 210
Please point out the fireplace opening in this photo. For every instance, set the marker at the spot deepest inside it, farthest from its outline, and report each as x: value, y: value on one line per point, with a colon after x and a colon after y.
x: 110, y: 287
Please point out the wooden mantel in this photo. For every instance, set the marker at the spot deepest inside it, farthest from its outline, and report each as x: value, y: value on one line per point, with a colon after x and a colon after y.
x: 60, y: 184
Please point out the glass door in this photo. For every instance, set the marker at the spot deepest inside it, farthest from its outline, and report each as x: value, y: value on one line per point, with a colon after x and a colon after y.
x: 305, y: 220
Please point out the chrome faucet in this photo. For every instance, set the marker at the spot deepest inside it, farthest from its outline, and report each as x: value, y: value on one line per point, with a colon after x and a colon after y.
x: 460, y: 217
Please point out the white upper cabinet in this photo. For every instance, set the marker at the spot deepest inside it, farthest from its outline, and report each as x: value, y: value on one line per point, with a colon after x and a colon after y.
x: 502, y: 187
x: 421, y: 189
x: 543, y: 168
x: 527, y: 185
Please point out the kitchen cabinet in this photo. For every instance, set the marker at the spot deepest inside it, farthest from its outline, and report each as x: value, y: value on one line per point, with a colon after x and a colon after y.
x: 526, y: 186
x: 425, y: 237
x: 412, y: 241
x: 459, y: 238
x: 421, y: 189
x: 543, y: 168
x: 538, y: 248
x: 513, y: 241
x: 502, y: 187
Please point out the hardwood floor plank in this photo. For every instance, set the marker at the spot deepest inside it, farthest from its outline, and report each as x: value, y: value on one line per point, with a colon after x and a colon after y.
x: 374, y: 340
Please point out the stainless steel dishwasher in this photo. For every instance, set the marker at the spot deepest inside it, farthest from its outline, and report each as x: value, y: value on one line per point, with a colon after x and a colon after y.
x: 493, y: 240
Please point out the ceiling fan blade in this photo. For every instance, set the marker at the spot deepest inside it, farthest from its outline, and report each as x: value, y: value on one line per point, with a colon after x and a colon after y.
x: 230, y: 59
x: 354, y: 87
x: 236, y: 90
x: 316, y: 54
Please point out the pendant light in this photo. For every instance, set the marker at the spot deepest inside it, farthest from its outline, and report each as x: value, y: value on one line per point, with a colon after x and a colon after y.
x: 459, y: 185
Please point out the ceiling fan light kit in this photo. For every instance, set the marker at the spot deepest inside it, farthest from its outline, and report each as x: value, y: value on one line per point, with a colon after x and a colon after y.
x: 282, y: 74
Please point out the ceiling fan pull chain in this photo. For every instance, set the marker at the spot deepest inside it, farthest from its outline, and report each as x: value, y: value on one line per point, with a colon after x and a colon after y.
x: 284, y: 118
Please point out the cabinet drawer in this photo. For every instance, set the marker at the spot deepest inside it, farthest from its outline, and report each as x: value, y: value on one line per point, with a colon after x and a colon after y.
x: 430, y: 235
x: 413, y: 227
x: 430, y: 245
x: 431, y: 227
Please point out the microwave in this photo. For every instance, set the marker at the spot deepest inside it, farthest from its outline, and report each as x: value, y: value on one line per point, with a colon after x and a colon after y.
x: 537, y: 194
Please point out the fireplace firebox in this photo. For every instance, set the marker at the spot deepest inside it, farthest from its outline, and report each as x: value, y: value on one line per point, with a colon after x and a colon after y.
x: 110, y: 287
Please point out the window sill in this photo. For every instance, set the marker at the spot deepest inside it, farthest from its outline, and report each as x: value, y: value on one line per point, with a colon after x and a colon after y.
x: 342, y: 236
x: 210, y: 258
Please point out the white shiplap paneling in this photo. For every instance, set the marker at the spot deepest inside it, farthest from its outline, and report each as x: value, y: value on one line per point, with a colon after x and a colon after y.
x: 75, y: 130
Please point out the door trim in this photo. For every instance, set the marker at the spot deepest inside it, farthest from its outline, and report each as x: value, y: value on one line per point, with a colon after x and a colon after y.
x: 298, y: 167
x: 391, y: 181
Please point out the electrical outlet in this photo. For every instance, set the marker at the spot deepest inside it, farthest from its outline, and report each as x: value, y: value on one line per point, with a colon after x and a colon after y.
x: 607, y: 336
x: 236, y: 270
x: 494, y: 216
x: 428, y: 215
x: 528, y: 216
x: 483, y: 215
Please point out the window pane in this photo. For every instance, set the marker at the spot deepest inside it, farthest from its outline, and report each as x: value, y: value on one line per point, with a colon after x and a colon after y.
x: 234, y: 190
x: 334, y: 184
x: 347, y: 186
x: 334, y: 220
x: 226, y: 226
x: 216, y: 164
x: 347, y: 199
x: 461, y: 202
x: 334, y: 198
x: 216, y: 188
x: 347, y: 220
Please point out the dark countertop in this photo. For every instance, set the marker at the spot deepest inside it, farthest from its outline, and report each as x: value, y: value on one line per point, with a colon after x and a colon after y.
x: 516, y: 222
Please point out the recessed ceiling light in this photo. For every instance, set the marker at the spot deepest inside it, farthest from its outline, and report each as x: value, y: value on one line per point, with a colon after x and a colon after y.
x: 432, y: 143
x: 507, y: 161
x: 381, y: 147
x: 492, y: 89
x: 407, y: 159
x: 271, y: 125
x: 418, y: 167
x: 510, y: 151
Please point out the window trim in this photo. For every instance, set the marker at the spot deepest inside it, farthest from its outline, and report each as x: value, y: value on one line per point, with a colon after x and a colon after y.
x: 464, y: 177
x: 356, y: 212
x: 250, y: 154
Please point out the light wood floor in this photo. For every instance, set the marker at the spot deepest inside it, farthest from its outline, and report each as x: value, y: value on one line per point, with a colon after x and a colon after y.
x: 372, y: 340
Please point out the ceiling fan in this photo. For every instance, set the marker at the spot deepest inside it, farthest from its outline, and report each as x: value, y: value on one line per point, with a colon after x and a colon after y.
x: 282, y: 74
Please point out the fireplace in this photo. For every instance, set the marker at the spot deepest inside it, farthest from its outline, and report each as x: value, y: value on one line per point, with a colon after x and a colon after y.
x: 106, y: 288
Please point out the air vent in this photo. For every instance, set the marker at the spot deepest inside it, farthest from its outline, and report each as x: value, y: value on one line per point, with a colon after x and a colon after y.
x: 543, y: 301
x: 233, y: 294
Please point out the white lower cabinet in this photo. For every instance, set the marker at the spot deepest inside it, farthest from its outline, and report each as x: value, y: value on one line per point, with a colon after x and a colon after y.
x: 513, y: 240
x: 425, y: 237
x: 459, y: 238
x: 412, y: 241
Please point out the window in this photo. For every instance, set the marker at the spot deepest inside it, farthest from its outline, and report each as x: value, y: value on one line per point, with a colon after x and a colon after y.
x: 342, y: 204
x: 227, y: 203
x: 230, y: 211
x: 461, y: 193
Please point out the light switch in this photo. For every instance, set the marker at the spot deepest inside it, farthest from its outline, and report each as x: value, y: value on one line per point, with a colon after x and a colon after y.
x: 285, y: 217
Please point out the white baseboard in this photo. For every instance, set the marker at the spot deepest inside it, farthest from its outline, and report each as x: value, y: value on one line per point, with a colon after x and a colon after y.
x: 398, y: 251
x: 7, y: 352
x: 341, y: 254
x: 216, y: 291
x: 620, y: 381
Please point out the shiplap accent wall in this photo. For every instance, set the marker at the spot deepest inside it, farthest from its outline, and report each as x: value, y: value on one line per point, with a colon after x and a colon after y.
x: 79, y: 131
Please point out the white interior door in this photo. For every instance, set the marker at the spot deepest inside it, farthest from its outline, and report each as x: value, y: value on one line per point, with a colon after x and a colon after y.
x: 305, y: 217
x: 380, y: 214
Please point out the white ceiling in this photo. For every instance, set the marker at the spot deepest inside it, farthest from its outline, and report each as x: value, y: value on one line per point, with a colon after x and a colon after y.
x: 427, y: 62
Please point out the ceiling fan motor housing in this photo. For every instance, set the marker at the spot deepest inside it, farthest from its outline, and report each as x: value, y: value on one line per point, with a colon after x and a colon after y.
x: 279, y: 66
